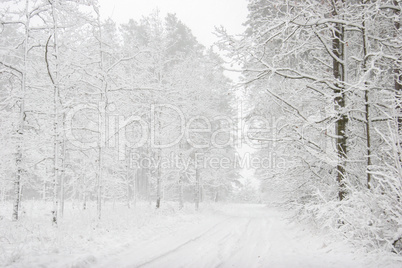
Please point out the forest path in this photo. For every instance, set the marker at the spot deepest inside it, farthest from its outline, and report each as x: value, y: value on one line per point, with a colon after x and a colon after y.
x: 246, y: 236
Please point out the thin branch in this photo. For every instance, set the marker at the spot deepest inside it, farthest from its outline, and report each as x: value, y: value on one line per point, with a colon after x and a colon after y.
x: 11, y: 67
x: 46, y: 60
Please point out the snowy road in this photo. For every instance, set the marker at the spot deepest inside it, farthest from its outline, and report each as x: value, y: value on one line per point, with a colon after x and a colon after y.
x: 248, y: 236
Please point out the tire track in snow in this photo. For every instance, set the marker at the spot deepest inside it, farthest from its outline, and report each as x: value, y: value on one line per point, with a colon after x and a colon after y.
x: 253, y: 246
x: 248, y: 237
x: 182, y: 245
x: 207, y: 251
x: 237, y: 244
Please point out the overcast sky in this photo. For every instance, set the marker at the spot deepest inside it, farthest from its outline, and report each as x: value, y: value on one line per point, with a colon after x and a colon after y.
x: 199, y: 15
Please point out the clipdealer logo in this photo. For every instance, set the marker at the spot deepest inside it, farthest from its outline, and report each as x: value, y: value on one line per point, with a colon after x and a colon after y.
x: 206, y: 161
x: 107, y: 128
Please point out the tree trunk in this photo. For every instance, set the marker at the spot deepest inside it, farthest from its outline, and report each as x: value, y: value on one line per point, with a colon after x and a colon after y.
x: 338, y: 49
x: 99, y: 185
x: 84, y: 203
x: 135, y: 188
x: 63, y: 167
x: 16, y: 196
x: 128, y: 182
x: 197, y: 189
x: 158, y: 170
x: 54, y: 80
x: 366, y: 104
x: 216, y: 199
x: 158, y: 188
x: 20, y: 131
x: 102, y: 123
x: 181, y: 203
x: 398, y: 72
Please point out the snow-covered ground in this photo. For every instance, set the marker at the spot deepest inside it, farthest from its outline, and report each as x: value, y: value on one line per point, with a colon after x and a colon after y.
x: 217, y: 236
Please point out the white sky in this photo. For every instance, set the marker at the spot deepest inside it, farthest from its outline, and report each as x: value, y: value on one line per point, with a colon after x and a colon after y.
x: 199, y: 15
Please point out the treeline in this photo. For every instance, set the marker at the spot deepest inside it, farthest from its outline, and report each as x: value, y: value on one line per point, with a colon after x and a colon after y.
x: 328, y: 73
x: 84, y: 99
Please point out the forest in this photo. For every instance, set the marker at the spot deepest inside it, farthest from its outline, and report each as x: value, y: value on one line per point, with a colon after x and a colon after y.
x: 111, y: 131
